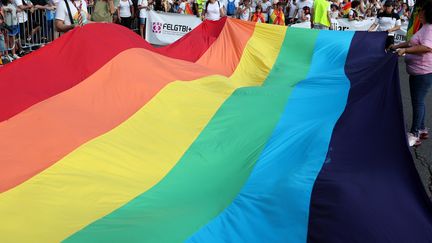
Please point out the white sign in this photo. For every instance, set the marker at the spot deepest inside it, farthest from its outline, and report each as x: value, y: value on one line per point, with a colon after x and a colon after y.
x: 345, y: 25
x: 166, y: 28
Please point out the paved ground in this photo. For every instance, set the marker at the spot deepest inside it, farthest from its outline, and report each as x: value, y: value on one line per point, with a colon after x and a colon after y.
x: 423, y: 154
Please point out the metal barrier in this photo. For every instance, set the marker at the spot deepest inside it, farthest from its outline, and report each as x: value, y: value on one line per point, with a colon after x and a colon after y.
x: 36, y: 28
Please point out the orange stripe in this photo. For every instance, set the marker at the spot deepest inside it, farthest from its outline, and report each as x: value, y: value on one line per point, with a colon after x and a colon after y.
x: 222, y: 62
x: 43, y: 134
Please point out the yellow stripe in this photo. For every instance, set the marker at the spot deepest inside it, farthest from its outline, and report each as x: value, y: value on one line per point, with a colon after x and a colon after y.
x: 112, y: 169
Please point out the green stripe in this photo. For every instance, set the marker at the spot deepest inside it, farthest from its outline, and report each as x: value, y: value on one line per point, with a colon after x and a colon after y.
x: 216, y: 166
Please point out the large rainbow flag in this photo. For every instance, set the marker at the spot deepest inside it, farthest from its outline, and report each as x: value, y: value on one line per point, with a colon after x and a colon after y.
x: 239, y: 132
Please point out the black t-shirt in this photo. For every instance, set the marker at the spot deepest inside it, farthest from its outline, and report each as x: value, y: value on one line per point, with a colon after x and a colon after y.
x: 39, y: 2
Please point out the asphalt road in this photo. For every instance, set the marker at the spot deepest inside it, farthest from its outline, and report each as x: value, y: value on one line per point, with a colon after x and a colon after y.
x: 423, y: 154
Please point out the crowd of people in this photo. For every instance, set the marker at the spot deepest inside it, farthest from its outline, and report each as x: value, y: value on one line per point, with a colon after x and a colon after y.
x: 291, y: 11
x: 21, y: 20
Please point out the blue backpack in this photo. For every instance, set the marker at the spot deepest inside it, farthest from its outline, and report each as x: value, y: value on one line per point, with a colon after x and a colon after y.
x: 231, y: 8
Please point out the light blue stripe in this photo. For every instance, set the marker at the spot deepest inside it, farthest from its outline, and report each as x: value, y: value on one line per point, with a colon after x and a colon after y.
x: 273, y: 206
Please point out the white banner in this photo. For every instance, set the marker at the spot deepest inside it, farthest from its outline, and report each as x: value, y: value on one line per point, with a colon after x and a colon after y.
x: 166, y: 28
x: 345, y: 25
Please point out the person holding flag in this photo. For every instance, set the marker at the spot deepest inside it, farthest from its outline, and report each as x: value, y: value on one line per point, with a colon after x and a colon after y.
x: 277, y: 17
x: 346, y: 8
x: 258, y: 16
x: 71, y: 14
x: 418, y: 59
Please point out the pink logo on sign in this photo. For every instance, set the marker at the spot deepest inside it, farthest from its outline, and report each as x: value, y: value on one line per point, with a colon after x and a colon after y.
x: 157, y: 27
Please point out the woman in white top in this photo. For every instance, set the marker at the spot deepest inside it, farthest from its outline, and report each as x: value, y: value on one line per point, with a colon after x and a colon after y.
x: 213, y: 10
x: 125, y: 12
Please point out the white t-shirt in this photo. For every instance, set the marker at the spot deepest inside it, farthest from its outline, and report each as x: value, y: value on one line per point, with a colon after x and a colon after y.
x: 246, y: 14
x: 334, y: 14
x: 124, y: 8
x: 253, y: 5
x: 387, y: 21
x: 143, y: 12
x: 182, y: 6
x: 265, y: 6
x: 213, y: 11
x: 301, y: 4
x: 62, y: 12
x: 22, y: 15
x: 292, y: 10
x: 11, y: 15
x: 308, y: 18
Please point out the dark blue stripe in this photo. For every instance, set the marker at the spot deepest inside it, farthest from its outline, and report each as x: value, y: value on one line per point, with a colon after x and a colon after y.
x: 369, y: 191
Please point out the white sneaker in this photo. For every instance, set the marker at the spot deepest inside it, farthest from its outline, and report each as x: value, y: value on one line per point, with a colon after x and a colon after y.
x: 9, y: 58
x: 413, y: 140
x: 15, y: 56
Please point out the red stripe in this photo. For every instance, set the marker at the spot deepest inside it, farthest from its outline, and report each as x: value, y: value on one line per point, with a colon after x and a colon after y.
x: 61, y: 65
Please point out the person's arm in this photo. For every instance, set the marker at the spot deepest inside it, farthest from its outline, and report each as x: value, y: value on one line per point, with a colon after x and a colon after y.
x: 222, y: 11
x: 362, y: 7
x: 268, y: 8
x: 132, y: 10
x: 416, y: 50
x: 111, y: 6
x: 400, y: 45
x: 396, y: 27
x: 23, y: 7
x: 303, y: 17
x: 312, y: 10
x: 37, y: 6
x: 6, y: 9
x: 118, y: 13
x: 61, y: 27
x: 295, y: 12
x: 372, y: 27
x: 242, y: 10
